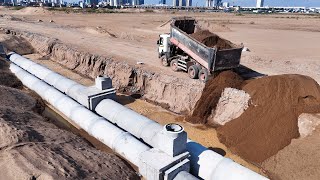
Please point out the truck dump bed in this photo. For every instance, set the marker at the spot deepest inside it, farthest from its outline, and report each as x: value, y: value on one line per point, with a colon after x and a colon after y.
x: 209, y: 57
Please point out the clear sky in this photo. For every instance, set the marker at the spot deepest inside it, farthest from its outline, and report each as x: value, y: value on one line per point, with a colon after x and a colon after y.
x: 251, y: 3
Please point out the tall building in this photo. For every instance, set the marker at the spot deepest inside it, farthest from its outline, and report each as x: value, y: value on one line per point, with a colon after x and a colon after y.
x: 188, y: 3
x: 259, y: 3
x: 209, y: 3
x: 217, y: 3
x: 225, y: 4
x: 182, y: 3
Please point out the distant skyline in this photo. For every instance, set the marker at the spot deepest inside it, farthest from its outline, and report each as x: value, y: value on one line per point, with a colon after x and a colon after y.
x: 252, y: 3
x: 245, y: 3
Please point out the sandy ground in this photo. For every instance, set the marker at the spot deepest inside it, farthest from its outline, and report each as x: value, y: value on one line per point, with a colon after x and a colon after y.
x: 278, y: 43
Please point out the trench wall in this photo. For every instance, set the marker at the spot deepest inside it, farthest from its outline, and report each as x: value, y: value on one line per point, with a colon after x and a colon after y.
x: 173, y: 93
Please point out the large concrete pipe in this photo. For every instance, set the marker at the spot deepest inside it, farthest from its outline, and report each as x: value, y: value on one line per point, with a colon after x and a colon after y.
x: 205, y: 163
x: 152, y: 163
x: 87, y: 96
x: 120, y: 141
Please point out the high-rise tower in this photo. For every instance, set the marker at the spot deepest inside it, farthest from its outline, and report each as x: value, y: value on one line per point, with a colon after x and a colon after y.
x: 259, y: 3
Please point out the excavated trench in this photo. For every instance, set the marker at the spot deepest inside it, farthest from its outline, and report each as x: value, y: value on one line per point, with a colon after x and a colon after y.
x: 164, y: 90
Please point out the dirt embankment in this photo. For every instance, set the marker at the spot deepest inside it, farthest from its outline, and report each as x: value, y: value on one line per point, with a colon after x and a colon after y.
x: 212, y: 40
x: 33, y: 148
x: 169, y: 91
x: 7, y: 78
x: 270, y: 122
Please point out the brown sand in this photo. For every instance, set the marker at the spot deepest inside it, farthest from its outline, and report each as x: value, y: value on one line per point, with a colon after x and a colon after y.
x: 299, y: 160
x: 211, y: 95
x: 270, y: 123
x: 212, y: 40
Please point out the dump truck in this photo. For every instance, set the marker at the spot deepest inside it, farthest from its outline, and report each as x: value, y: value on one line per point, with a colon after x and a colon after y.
x: 179, y: 50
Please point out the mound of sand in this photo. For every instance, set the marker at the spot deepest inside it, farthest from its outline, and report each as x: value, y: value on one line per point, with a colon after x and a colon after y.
x: 271, y: 122
x: 212, y: 40
x: 211, y: 95
x: 32, y: 11
x: 299, y: 160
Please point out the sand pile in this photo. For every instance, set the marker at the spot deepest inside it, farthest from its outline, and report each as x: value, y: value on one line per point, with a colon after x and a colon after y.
x: 299, y: 160
x: 271, y: 122
x: 212, y: 40
x: 32, y: 11
x: 211, y: 95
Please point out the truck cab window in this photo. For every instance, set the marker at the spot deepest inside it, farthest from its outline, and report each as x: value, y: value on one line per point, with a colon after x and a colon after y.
x: 161, y: 41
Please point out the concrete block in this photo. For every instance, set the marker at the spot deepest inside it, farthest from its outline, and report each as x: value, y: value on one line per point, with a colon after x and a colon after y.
x: 103, y: 82
x: 172, y: 139
x: 157, y: 165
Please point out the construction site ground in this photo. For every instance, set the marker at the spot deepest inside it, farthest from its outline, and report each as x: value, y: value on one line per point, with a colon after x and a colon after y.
x: 278, y: 44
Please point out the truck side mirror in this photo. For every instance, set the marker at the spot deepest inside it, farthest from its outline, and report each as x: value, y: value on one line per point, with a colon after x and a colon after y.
x: 158, y: 42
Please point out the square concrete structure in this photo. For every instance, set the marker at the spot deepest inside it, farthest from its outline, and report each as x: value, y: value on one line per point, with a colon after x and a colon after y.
x: 172, y: 140
x: 103, y: 83
x: 157, y: 165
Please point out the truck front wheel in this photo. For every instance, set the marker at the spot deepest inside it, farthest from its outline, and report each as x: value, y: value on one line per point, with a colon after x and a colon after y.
x: 164, y: 61
x: 174, y: 65
x: 193, y: 72
x: 203, y: 75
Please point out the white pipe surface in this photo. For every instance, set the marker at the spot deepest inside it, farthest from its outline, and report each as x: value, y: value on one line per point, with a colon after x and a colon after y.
x: 205, y: 163
x: 120, y: 141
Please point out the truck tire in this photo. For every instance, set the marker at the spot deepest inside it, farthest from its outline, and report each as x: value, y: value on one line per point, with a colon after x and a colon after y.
x: 203, y: 75
x: 174, y: 65
x: 164, y: 61
x: 193, y: 72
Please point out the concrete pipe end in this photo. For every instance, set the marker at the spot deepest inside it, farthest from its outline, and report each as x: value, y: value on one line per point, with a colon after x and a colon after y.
x: 173, y: 128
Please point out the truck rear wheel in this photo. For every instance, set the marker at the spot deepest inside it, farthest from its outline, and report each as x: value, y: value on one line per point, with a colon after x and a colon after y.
x: 164, y: 61
x: 193, y: 72
x: 203, y: 75
x: 174, y: 65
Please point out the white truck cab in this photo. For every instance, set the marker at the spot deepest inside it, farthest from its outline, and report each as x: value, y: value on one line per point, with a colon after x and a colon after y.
x: 163, y: 44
